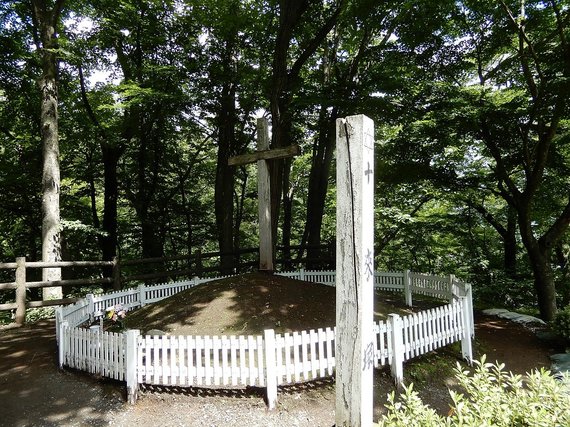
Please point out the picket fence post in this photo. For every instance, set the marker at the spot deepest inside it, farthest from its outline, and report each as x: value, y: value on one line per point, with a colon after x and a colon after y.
x: 451, y: 287
x: 466, y: 347
x: 142, y: 294
x: 302, y: 274
x: 270, y: 368
x: 397, y: 360
x: 62, y: 342
x: 58, y: 320
x: 469, y: 297
x: 407, y: 288
x: 131, y: 339
x: 91, y: 304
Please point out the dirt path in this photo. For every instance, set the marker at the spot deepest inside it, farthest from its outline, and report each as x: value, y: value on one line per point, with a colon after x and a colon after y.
x: 33, y: 392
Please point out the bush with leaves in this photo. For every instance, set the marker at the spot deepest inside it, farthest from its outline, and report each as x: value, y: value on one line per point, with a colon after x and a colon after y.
x: 492, y: 397
x: 561, y: 323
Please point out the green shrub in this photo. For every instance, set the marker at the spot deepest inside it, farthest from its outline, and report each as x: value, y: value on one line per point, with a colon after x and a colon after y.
x: 492, y: 397
x: 561, y: 323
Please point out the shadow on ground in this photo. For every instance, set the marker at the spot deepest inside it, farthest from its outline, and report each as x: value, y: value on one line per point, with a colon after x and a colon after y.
x: 34, y: 391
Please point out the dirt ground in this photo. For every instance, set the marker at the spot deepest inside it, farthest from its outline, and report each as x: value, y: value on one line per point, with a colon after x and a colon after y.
x: 34, y: 392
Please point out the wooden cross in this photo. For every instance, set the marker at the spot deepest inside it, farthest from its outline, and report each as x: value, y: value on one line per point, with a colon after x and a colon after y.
x: 262, y: 157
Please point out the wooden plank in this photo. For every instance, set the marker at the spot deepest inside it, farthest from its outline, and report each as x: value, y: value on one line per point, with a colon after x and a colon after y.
x: 354, y: 355
x: 265, y: 154
x: 266, y: 249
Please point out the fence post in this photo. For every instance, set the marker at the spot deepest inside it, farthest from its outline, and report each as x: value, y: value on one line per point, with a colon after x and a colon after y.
x: 58, y: 320
x: 142, y: 295
x: 199, y: 267
x: 116, y: 274
x: 91, y: 304
x: 451, y: 287
x: 270, y: 368
x: 20, y: 290
x: 407, y: 288
x: 62, y: 342
x: 397, y: 360
x: 466, y: 347
x: 469, y: 298
x: 131, y: 338
x: 301, y: 274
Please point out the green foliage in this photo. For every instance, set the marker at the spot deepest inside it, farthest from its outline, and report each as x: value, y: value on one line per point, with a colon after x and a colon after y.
x: 40, y: 313
x: 492, y: 397
x: 561, y: 323
x: 433, y: 365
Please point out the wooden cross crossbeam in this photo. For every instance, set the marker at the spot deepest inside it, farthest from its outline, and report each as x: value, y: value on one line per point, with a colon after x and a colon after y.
x: 262, y: 156
x: 274, y: 154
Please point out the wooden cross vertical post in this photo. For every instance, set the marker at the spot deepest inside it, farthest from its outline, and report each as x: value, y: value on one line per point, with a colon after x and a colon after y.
x: 262, y: 157
x: 354, y: 352
x: 264, y: 200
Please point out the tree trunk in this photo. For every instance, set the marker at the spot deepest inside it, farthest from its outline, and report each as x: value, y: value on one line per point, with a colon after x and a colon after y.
x: 510, y: 245
x: 318, y: 185
x: 111, y: 154
x: 284, y: 82
x: 287, y: 219
x: 45, y: 22
x: 564, y: 284
x: 109, y: 241
x: 224, y: 186
x: 539, y: 259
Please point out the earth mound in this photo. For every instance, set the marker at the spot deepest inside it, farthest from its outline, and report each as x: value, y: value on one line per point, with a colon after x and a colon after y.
x: 249, y: 303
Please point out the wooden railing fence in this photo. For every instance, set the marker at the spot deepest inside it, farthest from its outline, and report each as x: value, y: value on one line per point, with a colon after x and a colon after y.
x: 118, y: 273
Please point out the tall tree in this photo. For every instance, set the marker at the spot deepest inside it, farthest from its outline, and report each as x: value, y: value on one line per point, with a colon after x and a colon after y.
x: 296, y: 20
x: 522, y: 125
x: 46, y: 17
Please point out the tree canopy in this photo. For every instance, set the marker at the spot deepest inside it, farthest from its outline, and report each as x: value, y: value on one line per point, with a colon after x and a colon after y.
x: 149, y: 99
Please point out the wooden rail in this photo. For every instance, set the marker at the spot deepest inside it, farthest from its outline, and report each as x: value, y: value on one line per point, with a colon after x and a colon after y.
x: 199, y: 264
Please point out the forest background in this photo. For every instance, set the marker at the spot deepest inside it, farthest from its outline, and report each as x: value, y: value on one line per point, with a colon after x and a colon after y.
x: 125, y: 112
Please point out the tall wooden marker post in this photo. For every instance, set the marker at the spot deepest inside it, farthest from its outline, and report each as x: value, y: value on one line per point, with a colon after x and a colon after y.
x: 354, y: 348
x: 262, y: 157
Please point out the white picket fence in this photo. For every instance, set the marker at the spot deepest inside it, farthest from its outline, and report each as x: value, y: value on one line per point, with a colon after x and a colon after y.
x: 267, y: 360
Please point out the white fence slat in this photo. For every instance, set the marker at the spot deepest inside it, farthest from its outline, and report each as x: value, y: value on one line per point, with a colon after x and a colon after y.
x: 200, y: 374
x: 217, y: 372
x: 322, y: 337
x: 260, y: 373
x: 226, y: 368
x: 330, y: 354
x: 234, y: 363
x: 251, y: 359
x: 207, y: 359
x: 155, y: 359
x: 191, y: 359
x: 279, y: 358
x: 296, y: 359
x: 173, y: 358
x: 242, y: 360
x: 287, y: 341
x: 313, y: 339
